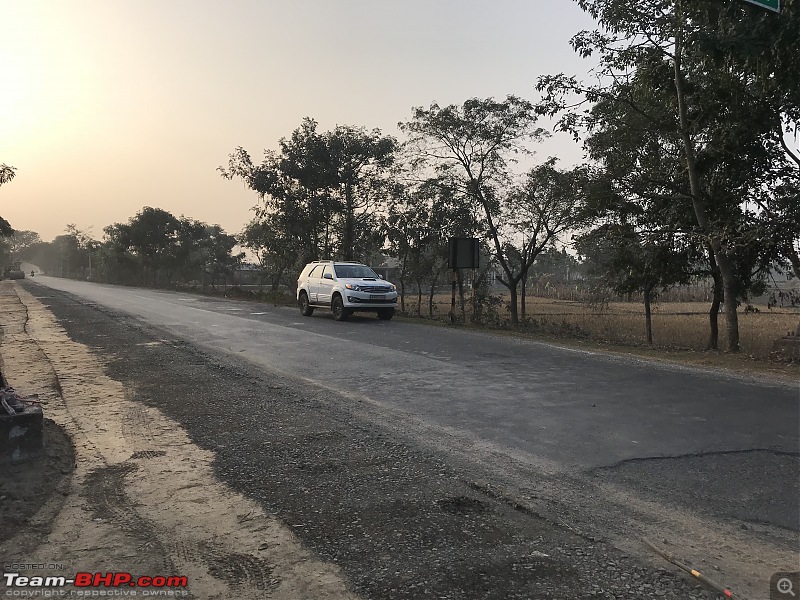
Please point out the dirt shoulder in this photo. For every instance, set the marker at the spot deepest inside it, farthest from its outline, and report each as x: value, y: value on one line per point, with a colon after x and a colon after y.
x: 140, y: 496
x: 254, y: 485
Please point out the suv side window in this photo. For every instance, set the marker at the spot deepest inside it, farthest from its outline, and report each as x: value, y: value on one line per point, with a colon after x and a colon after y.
x: 316, y: 272
x: 328, y: 269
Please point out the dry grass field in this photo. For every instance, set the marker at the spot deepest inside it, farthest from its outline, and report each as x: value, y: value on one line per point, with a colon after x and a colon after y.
x: 676, y: 325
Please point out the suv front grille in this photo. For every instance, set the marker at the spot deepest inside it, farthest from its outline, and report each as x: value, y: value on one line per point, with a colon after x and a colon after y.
x: 376, y: 289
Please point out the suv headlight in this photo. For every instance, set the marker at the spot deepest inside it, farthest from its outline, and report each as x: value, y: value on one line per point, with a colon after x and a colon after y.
x: 355, y: 288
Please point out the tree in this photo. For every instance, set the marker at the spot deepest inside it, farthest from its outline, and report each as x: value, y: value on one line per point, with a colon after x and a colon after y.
x: 627, y: 262
x: 715, y: 107
x: 6, y: 174
x: 558, y: 266
x: 643, y: 181
x: 168, y: 249
x: 214, y: 254
x: 21, y: 241
x: 357, y: 159
x: 150, y: 237
x: 549, y: 203
x: 67, y: 255
x: 323, y: 191
x: 474, y: 144
x: 421, y: 220
x: 275, y: 252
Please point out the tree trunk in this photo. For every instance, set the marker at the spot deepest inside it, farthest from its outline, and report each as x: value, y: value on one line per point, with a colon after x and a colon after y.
x: 731, y: 291
x: 326, y: 249
x: 402, y: 277
x: 276, y: 281
x: 430, y: 297
x: 349, y: 223
x: 461, y: 295
x: 648, y: 318
x: 713, y: 318
x: 713, y: 313
x: 512, y: 285
x: 419, y: 299
x: 725, y: 264
x: 512, y: 290
x: 794, y: 259
x: 522, y: 294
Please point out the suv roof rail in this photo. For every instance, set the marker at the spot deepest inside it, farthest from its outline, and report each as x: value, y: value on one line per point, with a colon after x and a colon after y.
x: 338, y: 262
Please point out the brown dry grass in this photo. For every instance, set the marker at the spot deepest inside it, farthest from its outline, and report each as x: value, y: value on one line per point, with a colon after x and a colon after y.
x: 676, y: 325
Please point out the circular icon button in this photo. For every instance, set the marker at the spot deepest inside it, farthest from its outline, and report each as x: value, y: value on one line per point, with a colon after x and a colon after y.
x: 785, y: 586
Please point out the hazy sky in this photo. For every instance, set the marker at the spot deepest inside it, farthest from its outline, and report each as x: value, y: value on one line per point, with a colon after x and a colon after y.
x: 107, y: 106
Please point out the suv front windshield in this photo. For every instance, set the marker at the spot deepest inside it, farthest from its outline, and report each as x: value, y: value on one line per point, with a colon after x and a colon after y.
x: 354, y: 272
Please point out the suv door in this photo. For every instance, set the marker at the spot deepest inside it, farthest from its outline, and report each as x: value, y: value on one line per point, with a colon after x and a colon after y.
x: 312, y: 283
x: 325, y: 286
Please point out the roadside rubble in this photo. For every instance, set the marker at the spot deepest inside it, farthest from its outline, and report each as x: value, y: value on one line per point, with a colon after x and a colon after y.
x: 21, y: 433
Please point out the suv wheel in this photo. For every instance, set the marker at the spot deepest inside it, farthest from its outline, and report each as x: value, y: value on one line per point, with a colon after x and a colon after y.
x: 305, y: 307
x: 340, y: 313
x: 385, y: 314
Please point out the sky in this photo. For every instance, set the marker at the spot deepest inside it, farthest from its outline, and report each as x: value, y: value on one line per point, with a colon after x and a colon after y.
x: 108, y: 106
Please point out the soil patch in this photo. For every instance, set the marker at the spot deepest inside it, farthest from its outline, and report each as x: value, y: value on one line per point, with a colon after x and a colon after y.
x: 25, y: 488
x: 142, y: 498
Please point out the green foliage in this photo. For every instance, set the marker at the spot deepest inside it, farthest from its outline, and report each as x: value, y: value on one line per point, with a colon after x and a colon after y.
x: 6, y: 174
x: 627, y: 262
x: 156, y: 248
x: 687, y: 117
x: 473, y: 146
x: 420, y: 221
x: 212, y: 253
x: 319, y: 195
x: 21, y: 241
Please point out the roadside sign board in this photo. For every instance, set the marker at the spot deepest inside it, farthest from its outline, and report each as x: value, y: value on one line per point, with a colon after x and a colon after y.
x: 768, y: 4
x: 463, y: 253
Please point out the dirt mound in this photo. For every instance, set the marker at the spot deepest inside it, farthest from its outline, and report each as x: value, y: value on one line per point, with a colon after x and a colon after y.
x: 26, y: 487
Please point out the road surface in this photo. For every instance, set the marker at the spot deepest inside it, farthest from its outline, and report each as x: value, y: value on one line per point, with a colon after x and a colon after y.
x: 611, y: 446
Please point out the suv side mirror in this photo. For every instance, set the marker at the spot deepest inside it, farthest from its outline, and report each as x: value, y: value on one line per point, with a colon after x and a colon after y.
x: 327, y: 276
x: 380, y: 276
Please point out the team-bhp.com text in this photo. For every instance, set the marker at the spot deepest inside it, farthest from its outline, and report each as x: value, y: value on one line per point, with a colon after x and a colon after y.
x: 95, y: 580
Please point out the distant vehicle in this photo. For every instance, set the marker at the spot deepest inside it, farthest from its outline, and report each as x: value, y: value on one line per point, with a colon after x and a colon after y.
x: 344, y: 287
x: 14, y: 271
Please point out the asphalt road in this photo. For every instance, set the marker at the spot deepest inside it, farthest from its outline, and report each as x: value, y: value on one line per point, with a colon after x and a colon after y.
x: 576, y: 408
x: 701, y: 441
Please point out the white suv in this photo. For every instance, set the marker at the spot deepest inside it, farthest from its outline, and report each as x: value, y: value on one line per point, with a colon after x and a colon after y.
x: 344, y: 287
